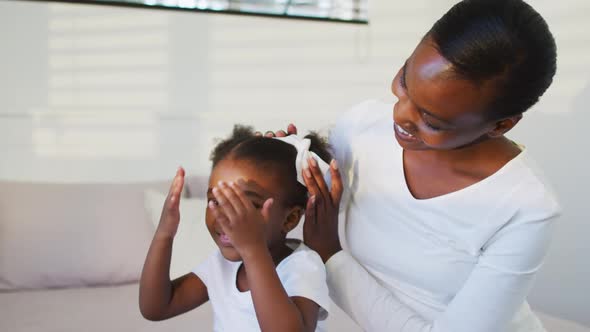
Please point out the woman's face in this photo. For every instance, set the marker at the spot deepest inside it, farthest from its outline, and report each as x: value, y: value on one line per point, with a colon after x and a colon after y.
x: 435, y: 110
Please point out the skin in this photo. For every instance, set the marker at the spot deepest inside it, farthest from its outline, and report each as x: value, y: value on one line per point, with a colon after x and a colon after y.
x: 159, y: 297
x: 246, y: 206
x: 453, y: 142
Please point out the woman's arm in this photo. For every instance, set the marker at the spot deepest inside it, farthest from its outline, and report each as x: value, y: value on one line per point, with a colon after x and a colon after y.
x: 159, y: 297
x: 488, y: 300
x: 245, y: 225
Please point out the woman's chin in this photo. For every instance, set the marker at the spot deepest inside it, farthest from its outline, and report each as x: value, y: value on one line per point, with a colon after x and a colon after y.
x: 416, y: 145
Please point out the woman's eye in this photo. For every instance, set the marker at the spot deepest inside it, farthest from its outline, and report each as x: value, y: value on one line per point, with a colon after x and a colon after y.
x: 257, y: 205
x: 214, y: 201
x: 402, y: 81
x: 431, y: 126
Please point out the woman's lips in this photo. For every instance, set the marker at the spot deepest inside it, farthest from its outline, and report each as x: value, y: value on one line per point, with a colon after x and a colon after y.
x: 403, y: 134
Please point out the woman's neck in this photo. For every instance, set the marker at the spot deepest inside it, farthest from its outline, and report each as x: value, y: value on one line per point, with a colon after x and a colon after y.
x: 478, y: 160
x: 497, y: 150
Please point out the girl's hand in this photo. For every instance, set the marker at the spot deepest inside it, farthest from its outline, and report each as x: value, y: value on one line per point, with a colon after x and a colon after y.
x: 239, y: 219
x: 170, y: 217
x: 320, y: 231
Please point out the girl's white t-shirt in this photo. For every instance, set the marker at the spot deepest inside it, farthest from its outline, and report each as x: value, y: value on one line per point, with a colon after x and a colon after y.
x: 302, y: 274
x: 461, y: 262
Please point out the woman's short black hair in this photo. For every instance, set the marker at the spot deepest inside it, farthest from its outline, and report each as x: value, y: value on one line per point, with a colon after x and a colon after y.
x: 274, y: 155
x: 506, y: 41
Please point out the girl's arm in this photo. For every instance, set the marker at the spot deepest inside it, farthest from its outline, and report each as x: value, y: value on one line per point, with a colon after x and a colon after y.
x: 244, y: 225
x: 159, y: 297
x: 275, y: 310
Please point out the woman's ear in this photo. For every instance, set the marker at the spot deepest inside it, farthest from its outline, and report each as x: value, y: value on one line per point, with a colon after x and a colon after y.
x: 503, y: 126
x: 292, y: 219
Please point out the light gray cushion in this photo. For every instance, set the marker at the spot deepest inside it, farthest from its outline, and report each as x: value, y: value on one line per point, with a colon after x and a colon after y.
x: 97, y: 309
x: 65, y: 235
x: 192, y: 243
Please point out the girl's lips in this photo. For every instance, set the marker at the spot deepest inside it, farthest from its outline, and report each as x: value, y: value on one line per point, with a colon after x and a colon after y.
x: 224, y: 239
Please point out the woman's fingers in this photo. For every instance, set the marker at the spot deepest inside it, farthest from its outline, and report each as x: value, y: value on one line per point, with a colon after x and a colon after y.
x: 310, y: 211
x: 319, y: 178
x: 337, y: 187
x: 310, y: 182
x: 291, y: 129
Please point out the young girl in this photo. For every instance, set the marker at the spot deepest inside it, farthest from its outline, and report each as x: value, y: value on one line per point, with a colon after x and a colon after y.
x: 258, y: 280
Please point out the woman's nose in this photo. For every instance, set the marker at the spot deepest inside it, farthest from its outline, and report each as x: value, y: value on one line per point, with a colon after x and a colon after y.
x: 405, y: 115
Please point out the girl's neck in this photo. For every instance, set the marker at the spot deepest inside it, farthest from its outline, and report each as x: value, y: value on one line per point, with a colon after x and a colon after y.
x: 280, y: 252
x: 277, y: 252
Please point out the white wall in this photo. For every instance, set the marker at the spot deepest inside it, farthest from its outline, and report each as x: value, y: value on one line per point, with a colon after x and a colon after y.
x: 96, y: 93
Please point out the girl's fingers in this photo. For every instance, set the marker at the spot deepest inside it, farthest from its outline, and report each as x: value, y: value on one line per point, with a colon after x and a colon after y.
x: 319, y: 178
x: 237, y: 188
x: 266, y: 209
x: 224, y: 204
x: 175, y: 191
x: 337, y: 187
x: 173, y: 184
x: 230, y: 193
x: 223, y: 222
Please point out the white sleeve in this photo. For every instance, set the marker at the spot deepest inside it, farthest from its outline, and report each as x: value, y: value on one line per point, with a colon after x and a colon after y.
x: 490, y: 297
x: 340, y: 139
x: 305, y: 276
x: 205, y: 269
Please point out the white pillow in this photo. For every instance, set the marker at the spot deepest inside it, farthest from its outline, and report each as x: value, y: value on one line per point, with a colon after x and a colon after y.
x: 192, y: 243
x: 72, y: 235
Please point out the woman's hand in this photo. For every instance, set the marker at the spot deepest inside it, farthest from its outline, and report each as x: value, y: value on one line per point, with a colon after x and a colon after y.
x: 291, y: 130
x: 170, y: 217
x: 239, y: 219
x: 320, y: 231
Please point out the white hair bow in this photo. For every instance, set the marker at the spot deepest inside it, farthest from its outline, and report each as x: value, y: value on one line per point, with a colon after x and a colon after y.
x: 302, y: 145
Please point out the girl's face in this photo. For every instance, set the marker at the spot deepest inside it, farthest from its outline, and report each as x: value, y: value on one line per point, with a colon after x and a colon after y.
x: 434, y: 110
x: 260, y: 185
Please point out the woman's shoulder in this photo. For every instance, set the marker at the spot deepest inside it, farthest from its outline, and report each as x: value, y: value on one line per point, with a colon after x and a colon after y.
x: 363, y: 115
x: 533, y: 192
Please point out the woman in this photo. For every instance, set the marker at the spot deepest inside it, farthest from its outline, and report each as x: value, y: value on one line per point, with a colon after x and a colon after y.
x: 447, y: 220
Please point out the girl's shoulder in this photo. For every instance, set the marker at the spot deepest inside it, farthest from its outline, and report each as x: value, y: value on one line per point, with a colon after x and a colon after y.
x: 302, y: 259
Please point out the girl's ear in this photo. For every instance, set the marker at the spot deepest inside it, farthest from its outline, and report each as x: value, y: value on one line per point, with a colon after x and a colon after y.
x: 292, y: 219
x: 503, y: 126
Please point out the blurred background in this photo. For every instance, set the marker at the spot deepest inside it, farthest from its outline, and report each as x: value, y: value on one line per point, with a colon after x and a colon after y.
x: 100, y: 94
